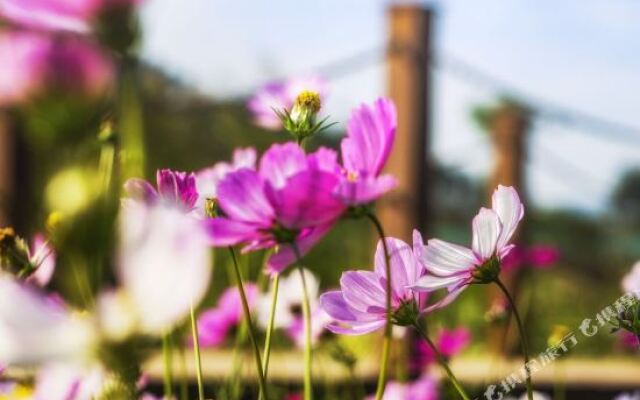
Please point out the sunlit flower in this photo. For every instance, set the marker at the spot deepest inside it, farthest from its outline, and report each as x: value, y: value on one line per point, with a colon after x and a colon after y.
x: 163, y: 264
x: 214, y: 324
x: 370, y: 135
x: 631, y: 281
x: 281, y: 96
x: 360, y: 306
x: 208, y: 179
x: 424, y: 388
x: 454, y: 267
x: 288, y: 200
x: 174, y: 188
x: 35, y: 64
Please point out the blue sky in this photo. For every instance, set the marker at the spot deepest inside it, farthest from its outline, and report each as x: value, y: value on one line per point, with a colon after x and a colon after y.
x: 582, y: 54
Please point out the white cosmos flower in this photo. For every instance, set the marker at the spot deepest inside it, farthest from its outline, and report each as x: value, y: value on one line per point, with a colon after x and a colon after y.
x: 452, y: 266
x: 631, y: 281
x: 164, y: 264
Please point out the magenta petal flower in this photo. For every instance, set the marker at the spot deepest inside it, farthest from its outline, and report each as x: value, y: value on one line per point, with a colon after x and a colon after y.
x: 35, y: 64
x: 208, y: 179
x: 57, y: 15
x: 359, y: 307
x: 370, y: 135
x: 454, y: 267
x: 215, y: 323
x: 452, y: 342
x: 280, y: 96
x: 174, y: 188
x: 289, y: 199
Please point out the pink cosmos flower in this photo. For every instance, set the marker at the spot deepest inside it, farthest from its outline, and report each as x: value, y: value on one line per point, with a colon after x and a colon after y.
x: 42, y: 256
x: 424, y: 388
x: 215, y: 323
x: 631, y: 281
x: 279, y: 96
x: 370, y: 135
x: 57, y: 15
x: 34, y: 64
x: 454, y: 267
x: 174, y: 188
x: 360, y: 306
x: 208, y: 179
x: 288, y: 199
x: 539, y: 257
x: 448, y: 342
x: 628, y: 340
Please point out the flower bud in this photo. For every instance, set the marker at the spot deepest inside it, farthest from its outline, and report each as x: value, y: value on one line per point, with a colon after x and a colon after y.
x: 14, y: 252
x: 300, y: 121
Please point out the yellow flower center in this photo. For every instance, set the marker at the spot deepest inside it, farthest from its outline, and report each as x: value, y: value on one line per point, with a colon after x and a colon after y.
x: 309, y: 100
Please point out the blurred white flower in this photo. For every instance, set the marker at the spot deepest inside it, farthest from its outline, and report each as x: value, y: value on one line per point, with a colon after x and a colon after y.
x: 289, y: 307
x: 68, y: 382
x: 290, y: 295
x: 164, y: 264
x: 36, y: 329
x: 631, y: 281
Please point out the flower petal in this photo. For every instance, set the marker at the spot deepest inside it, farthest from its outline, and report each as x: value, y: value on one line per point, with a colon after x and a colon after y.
x: 306, y: 200
x: 285, y: 255
x: 282, y: 161
x: 370, y: 137
x: 364, y: 189
x: 506, y: 203
x: 486, y: 229
x: 445, y: 259
x: 141, y: 190
x: 363, y: 291
x: 225, y: 232
x: 430, y: 283
x: 241, y: 195
x: 405, y: 269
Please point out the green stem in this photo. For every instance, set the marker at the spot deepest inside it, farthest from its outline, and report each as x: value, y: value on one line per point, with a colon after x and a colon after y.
x: 168, y: 365
x: 442, y: 361
x: 247, y: 316
x: 523, y: 338
x: 184, y: 379
x: 306, y: 315
x: 270, y: 325
x: 386, y: 346
x: 196, y: 353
